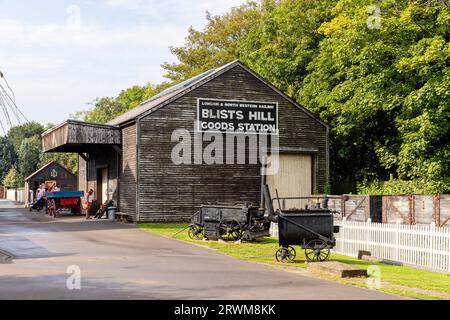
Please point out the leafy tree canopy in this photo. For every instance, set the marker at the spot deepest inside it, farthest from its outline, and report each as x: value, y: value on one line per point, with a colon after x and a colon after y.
x: 13, y: 179
x: 30, y: 155
x: 105, y: 109
x: 8, y: 157
x: 18, y: 133
x: 217, y: 44
x: 385, y: 90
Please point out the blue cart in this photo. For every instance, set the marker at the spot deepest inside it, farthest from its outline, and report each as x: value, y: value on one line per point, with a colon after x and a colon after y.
x: 59, y: 200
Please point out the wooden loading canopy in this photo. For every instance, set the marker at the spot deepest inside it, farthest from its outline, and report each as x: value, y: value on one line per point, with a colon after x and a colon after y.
x: 81, y: 137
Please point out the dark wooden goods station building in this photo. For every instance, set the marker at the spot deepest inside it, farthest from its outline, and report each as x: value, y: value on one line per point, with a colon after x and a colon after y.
x: 130, y: 158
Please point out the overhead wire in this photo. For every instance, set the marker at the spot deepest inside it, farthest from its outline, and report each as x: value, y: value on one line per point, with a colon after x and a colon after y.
x: 5, y: 110
x: 7, y: 84
x: 3, y: 128
x: 8, y: 102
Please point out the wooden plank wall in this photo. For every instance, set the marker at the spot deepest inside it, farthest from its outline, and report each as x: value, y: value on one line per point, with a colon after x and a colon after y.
x: 55, y: 138
x: 172, y: 193
x: 90, y: 134
x: 75, y: 133
x: 82, y: 177
x: 128, y: 172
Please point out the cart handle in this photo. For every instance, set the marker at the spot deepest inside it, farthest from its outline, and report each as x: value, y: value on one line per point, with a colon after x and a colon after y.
x: 307, y: 198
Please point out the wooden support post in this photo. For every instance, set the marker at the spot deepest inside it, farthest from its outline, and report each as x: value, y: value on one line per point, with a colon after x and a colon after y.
x: 437, y: 209
x: 412, y: 220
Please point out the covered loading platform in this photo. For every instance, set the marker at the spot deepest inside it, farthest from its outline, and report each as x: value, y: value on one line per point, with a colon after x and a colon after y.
x: 99, y: 150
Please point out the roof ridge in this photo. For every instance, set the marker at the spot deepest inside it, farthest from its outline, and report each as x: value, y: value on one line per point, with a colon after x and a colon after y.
x: 168, y: 93
x: 184, y: 87
x: 46, y: 166
x: 40, y: 169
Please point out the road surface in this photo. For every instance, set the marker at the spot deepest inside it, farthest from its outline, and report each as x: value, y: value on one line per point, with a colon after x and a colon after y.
x: 123, y: 262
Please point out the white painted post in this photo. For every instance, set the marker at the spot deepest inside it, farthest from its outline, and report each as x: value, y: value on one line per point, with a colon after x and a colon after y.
x: 344, y: 236
x: 369, y: 221
x: 432, y: 236
x: 448, y: 258
x: 397, y: 241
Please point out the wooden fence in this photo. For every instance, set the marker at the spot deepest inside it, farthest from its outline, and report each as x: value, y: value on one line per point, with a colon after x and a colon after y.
x: 409, y: 209
x: 425, y: 246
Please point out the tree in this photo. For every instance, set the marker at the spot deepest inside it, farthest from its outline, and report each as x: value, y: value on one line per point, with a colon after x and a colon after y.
x: 67, y: 160
x: 107, y: 108
x: 13, y: 179
x: 30, y: 155
x: 8, y: 157
x: 18, y: 133
x: 285, y: 41
x: 104, y: 109
x: 216, y: 45
x: 384, y: 90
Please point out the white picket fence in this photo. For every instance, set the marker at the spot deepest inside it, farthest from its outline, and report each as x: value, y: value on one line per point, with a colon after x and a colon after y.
x: 418, y: 245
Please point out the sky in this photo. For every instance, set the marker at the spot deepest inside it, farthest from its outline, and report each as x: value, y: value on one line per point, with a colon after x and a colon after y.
x: 58, y: 56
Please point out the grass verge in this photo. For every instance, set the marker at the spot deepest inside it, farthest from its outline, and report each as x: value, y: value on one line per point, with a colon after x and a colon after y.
x: 403, y: 281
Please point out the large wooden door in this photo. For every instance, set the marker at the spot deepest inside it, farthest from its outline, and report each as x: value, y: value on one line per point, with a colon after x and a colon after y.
x: 105, y: 184
x: 294, y: 179
x: 102, y: 185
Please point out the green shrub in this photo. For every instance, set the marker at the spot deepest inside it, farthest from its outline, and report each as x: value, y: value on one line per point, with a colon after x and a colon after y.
x: 400, y: 187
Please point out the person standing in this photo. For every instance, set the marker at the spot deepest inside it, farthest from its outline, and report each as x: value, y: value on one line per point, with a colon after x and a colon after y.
x: 90, y: 201
x: 40, y: 193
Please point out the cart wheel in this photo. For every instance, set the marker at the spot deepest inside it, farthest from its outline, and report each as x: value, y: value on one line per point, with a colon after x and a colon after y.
x: 286, y: 255
x: 317, y: 251
x: 237, y: 234
x: 195, y: 232
x: 230, y: 231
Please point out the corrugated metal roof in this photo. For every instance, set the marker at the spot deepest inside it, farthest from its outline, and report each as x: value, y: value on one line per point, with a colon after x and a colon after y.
x: 167, y: 94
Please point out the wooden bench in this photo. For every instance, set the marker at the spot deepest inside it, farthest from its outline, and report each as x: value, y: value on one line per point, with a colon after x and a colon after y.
x: 121, y: 217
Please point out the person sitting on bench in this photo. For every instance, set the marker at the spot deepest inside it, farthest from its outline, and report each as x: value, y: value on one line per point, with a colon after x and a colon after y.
x: 103, y: 209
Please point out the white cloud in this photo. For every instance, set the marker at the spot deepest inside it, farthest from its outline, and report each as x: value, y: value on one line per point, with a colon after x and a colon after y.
x: 192, y: 11
x: 13, y: 32
x: 59, y: 69
x: 55, y: 69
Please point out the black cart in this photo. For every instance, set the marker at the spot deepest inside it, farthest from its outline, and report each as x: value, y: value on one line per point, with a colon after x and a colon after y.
x: 229, y: 222
x: 311, y: 228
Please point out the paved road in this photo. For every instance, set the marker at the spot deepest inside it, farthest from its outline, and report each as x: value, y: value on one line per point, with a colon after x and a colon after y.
x: 123, y: 262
